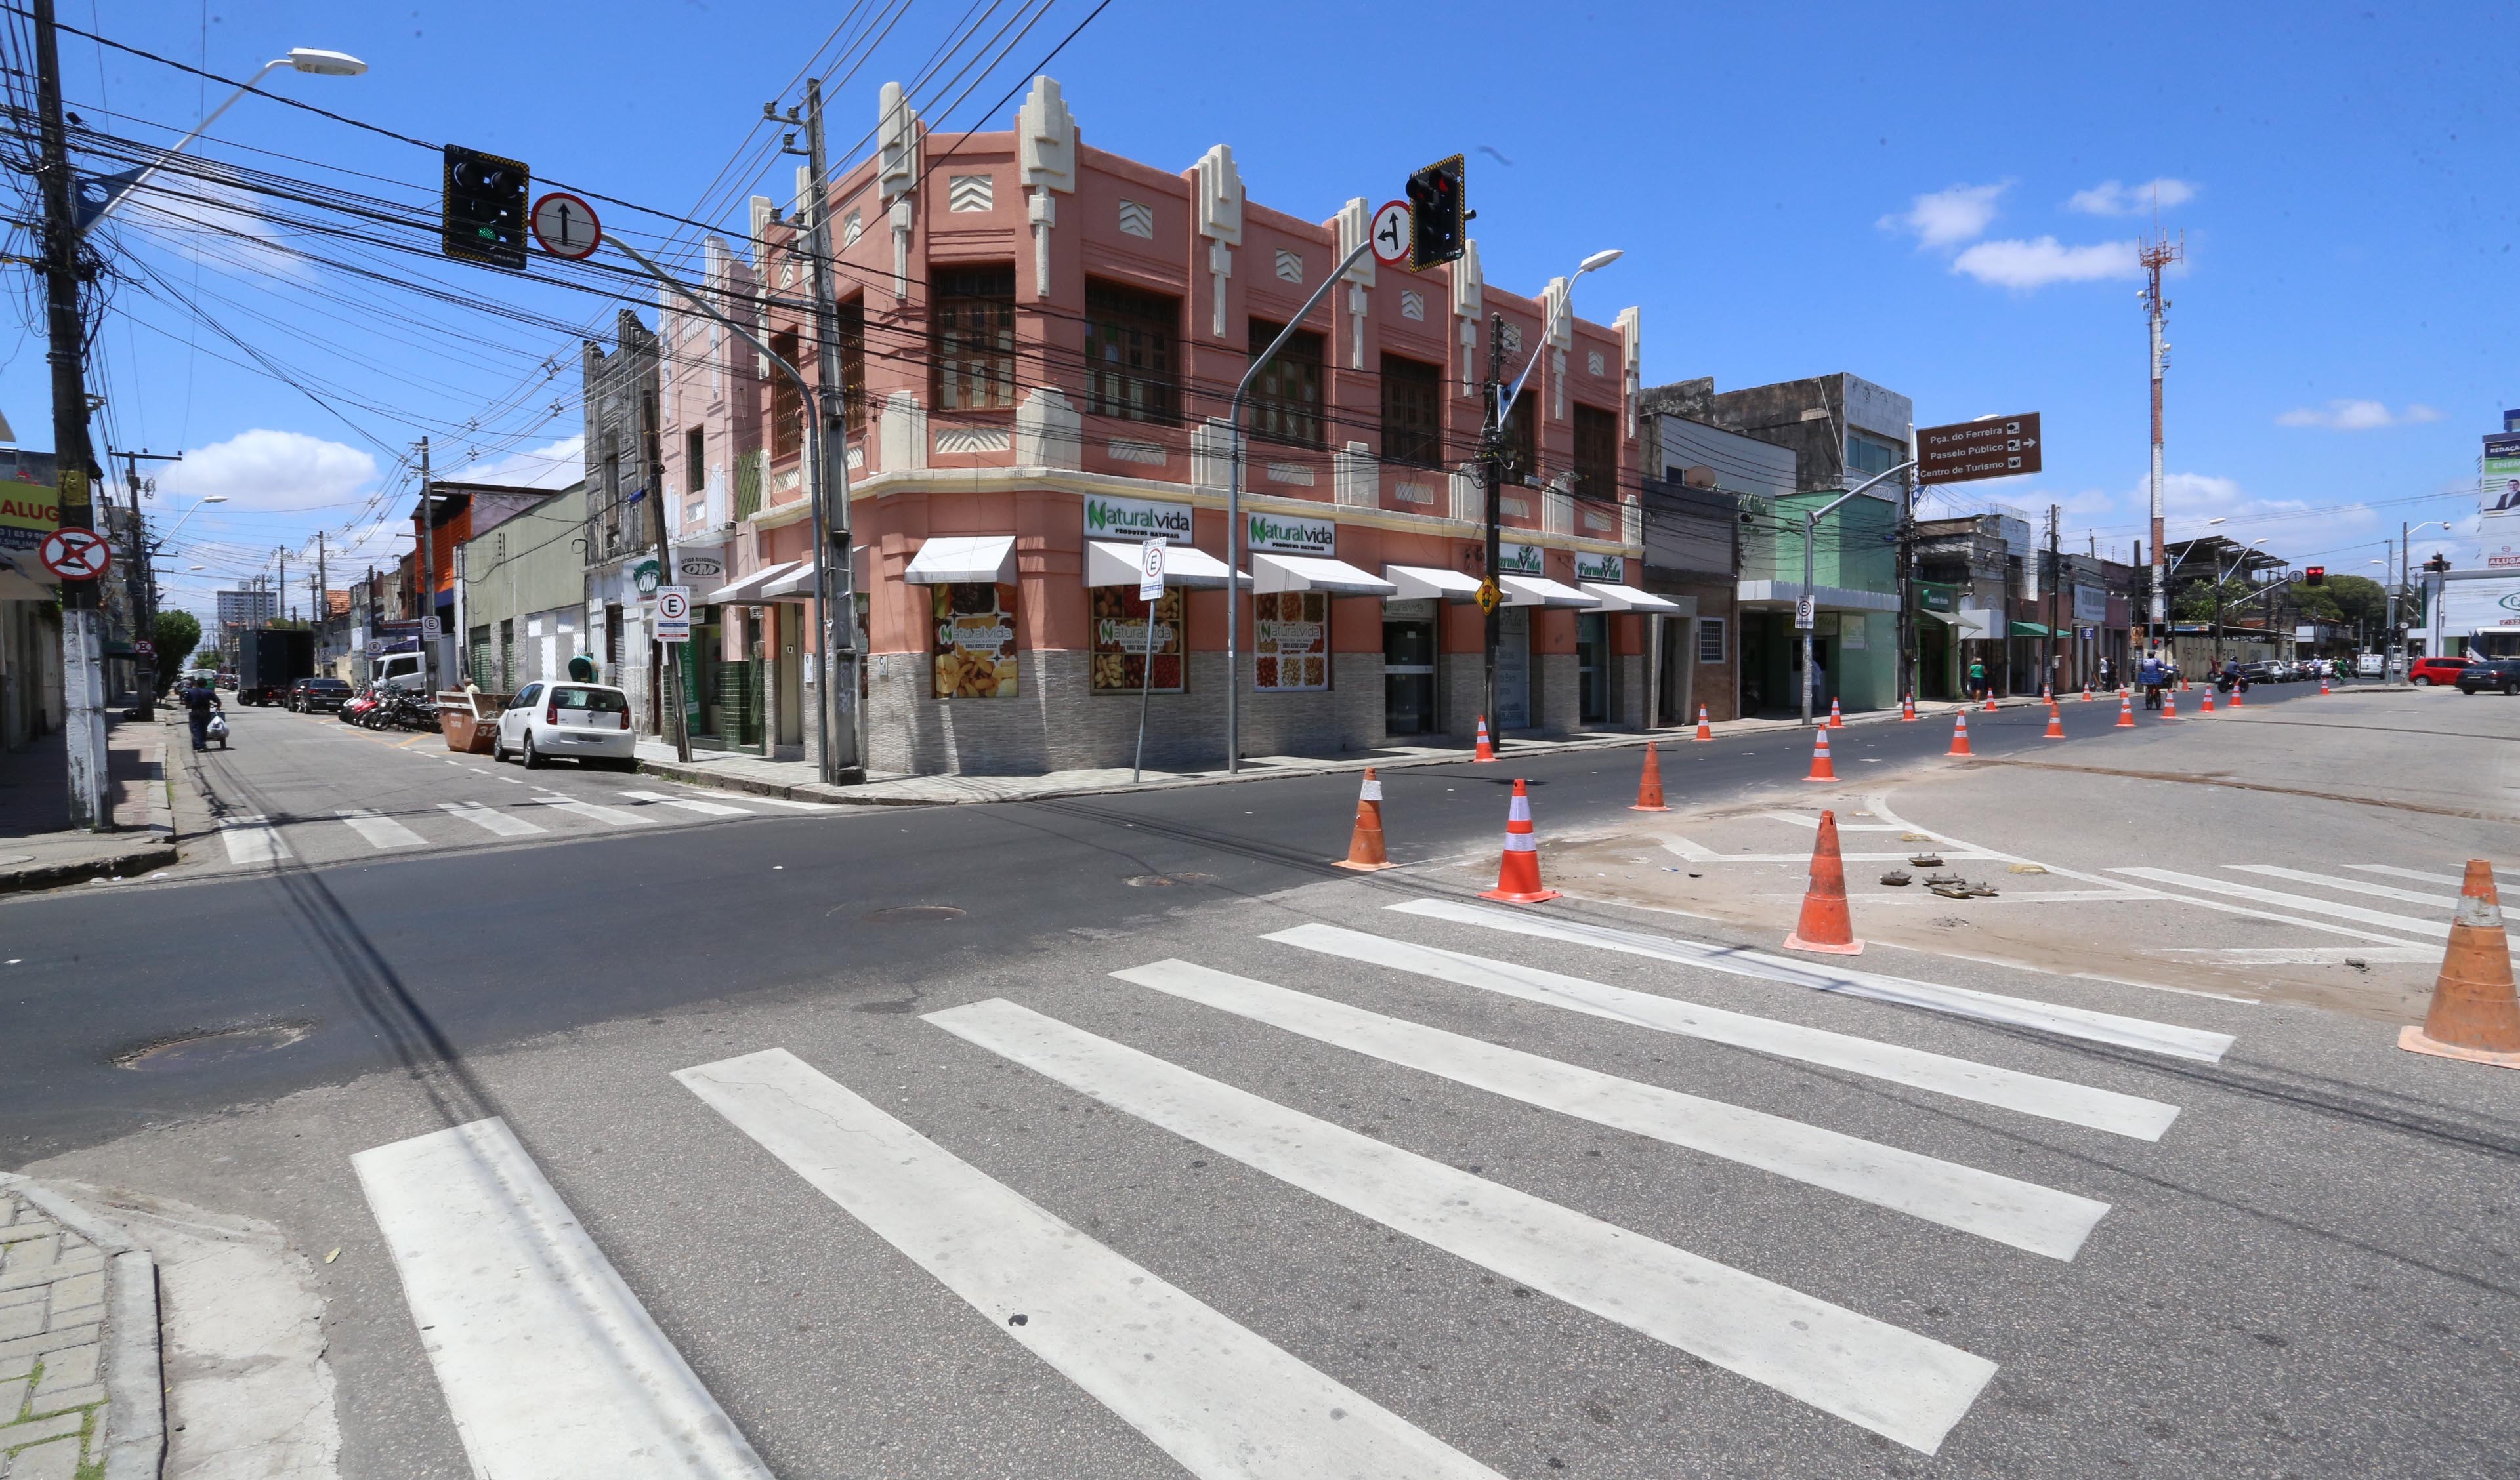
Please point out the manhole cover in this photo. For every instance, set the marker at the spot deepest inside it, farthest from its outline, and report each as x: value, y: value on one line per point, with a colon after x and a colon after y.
x: 203, y: 1049
x: 911, y: 915
x: 1168, y: 880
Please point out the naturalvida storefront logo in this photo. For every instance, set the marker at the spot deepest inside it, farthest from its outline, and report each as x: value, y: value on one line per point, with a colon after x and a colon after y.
x: 1292, y: 536
x: 1136, y: 518
x: 1520, y: 560
x: 1610, y: 569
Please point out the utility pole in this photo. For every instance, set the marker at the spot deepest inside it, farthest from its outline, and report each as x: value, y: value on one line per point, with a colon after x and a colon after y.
x: 427, y: 575
x: 139, y: 579
x: 835, y: 603
x: 91, y: 803
x: 2157, y: 254
x: 2055, y: 578
x: 323, y: 598
x: 282, y: 615
x: 1492, y: 481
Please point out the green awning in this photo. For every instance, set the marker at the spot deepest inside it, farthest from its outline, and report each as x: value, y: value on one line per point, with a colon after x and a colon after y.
x: 2030, y: 629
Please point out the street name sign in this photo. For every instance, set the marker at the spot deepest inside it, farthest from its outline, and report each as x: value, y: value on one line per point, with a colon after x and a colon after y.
x: 1999, y: 447
x: 566, y: 227
x: 76, y: 555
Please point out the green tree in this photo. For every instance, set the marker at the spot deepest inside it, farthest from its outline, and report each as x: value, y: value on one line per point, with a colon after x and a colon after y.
x: 176, y: 634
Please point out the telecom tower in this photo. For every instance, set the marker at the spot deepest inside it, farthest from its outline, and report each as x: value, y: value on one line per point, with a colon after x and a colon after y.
x: 2154, y: 255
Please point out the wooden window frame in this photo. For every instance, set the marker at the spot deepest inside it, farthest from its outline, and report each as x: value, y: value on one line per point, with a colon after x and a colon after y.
x: 1277, y: 415
x: 972, y: 337
x: 1413, y: 395
x: 1132, y: 353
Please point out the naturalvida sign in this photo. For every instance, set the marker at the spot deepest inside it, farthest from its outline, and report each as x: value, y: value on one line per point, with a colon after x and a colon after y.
x: 1609, y: 569
x: 1520, y: 560
x: 1107, y: 519
x: 1287, y: 534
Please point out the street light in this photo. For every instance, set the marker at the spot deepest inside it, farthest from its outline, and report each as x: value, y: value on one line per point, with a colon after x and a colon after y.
x: 98, y: 197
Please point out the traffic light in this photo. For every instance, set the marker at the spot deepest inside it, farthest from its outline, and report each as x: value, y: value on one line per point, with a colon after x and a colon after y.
x: 1436, y: 221
x: 485, y: 208
x: 2316, y: 576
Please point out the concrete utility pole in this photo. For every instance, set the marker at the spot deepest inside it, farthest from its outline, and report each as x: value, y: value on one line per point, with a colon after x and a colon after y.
x: 835, y: 603
x: 2156, y: 254
x: 1492, y: 483
x: 91, y: 802
x: 427, y: 575
x: 2055, y: 579
x: 141, y: 579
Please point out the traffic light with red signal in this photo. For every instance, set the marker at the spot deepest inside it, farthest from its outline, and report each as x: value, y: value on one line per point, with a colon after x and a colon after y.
x: 1437, y: 223
x: 2316, y: 576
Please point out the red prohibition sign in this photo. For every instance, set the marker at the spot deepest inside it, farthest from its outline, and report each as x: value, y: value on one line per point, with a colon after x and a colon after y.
x: 76, y: 555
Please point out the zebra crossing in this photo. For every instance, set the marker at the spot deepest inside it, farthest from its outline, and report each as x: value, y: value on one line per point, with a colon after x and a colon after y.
x: 525, y: 1317
x: 258, y: 841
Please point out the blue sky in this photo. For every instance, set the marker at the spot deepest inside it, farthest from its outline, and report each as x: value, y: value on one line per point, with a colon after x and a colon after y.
x: 1937, y: 199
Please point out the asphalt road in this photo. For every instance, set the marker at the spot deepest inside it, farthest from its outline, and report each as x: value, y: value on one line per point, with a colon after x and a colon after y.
x: 2313, y: 1271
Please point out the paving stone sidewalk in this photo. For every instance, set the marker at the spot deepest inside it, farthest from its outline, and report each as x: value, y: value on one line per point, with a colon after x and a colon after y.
x: 68, y: 1317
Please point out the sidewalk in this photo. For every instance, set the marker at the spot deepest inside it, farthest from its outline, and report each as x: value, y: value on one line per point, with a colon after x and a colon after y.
x: 796, y: 781
x: 78, y: 1344
x: 37, y: 847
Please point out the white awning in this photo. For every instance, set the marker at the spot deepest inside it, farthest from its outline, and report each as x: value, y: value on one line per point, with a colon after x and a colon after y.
x: 1418, y: 582
x: 1114, y: 562
x: 951, y: 560
x: 1616, y: 597
x: 1941, y: 616
x: 747, y: 588
x: 798, y: 585
x: 1313, y: 572
x: 1539, y: 591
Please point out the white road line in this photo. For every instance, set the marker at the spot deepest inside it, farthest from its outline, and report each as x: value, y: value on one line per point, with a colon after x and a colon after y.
x: 1959, y: 1002
x: 1904, y: 1386
x: 380, y: 831
x: 1980, y: 1084
x: 1697, y: 855
x: 2438, y: 930
x: 687, y: 804
x: 2350, y: 885
x: 2006, y: 1209
x: 1811, y: 820
x: 549, y: 1366
x: 2417, y: 874
x: 1218, y: 1397
x: 492, y: 819
x: 2310, y: 955
x: 250, y: 840
x: 610, y: 817
x: 751, y: 799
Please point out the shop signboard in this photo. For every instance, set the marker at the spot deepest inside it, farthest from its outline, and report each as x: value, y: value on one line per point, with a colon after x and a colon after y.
x: 975, y: 654
x: 1292, y: 650
x: 1290, y: 534
x: 1120, y: 640
x: 1609, y: 569
x: 1520, y: 560
x: 1110, y: 519
x: 2090, y: 603
x: 29, y: 512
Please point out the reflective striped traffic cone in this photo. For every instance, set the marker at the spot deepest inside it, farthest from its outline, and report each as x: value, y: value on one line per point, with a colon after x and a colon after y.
x: 2207, y: 706
x: 2126, y: 712
x: 1486, y: 750
x: 1824, y: 926
x: 2087, y: 691
x: 1822, y: 770
x: 2235, y: 695
x: 1960, y: 736
x: 2170, y: 706
x: 2055, y: 726
x: 1908, y: 708
x: 1518, y: 872
x: 1650, y: 784
x: 1365, y: 844
x: 2048, y: 696
x: 1990, y: 701
x: 2323, y: 686
x: 2475, y: 1013
x: 1836, y: 719
x: 1705, y: 731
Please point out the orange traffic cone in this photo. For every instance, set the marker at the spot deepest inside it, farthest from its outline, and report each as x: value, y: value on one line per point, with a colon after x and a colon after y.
x: 2475, y: 1015
x: 2055, y: 726
x: 2048, y: 696
x: 2170, y: 704
x: 1650, y: 784
x: 1836, y: 719
x: 1990, y: 701
x: 1518, y: 872
x: 1364, y: 844
x: 1486, y: 750
x: 2087, y: 691
x: 1824, y: 926
x: 2235, y: 695
x: 1822, y: 770
x: 1960, y: 736
x: 1705, y: 731
x: 2126, y: 712
x: 1908, y: 708
x: 2322, y: 686
x: 2208, y: 705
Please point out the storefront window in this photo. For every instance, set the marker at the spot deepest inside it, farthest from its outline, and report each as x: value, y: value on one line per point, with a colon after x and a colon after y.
x: 1293, y: 640
x: 976, y: 640
x: 1286, y: 401
x: 1129, y: 352
x: 1120, y: 641
x: 975, y: 317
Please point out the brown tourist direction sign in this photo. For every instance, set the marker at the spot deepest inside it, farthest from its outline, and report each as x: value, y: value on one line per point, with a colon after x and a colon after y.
x: 1999, y: 447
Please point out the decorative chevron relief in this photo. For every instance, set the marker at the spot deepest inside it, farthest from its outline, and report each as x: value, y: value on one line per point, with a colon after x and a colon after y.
x: 1596, y: 364
x: 972, y: 193
x: 1138, y: 219
x: 1128, y: 450
x: 852, y: 229
x: 1413, y: 304
x: 974, y: 439
x: 1415, y: 493
x: 1290, y: 266
x: 1290, y: 473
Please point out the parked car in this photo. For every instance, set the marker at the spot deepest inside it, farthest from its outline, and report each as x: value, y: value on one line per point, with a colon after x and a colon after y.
x: 2370, y: 665
x: 2499, y: 675
x: 316, y: 696
x: 2261, y: 672
x: 585, y: 722
x: 2436, y: 670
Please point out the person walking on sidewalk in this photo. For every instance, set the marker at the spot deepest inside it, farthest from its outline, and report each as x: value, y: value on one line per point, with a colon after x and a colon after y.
x: 1977, y: 679
x: 198, y: 701
x: 2105, y: 675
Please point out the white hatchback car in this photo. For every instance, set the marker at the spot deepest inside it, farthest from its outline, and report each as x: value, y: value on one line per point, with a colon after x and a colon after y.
x: 586, y: 722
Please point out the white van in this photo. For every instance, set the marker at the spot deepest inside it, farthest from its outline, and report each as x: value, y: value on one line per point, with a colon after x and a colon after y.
x: 2370, y: 665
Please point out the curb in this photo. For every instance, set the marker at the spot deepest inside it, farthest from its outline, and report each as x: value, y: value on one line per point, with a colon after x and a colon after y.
x: 127, y: 863
x: 135, y: 1381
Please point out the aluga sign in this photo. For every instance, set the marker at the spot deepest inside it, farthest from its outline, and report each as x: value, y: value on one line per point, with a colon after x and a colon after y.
x: 1107, y: 519
x: 1284, y: 534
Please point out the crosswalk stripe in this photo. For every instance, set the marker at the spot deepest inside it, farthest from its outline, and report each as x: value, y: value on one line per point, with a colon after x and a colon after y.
x: 610, y: 817
x: 2308, y: 956
x: 1899, y: 1384
x: 380, y: 831
x: 2350, y: 885
x: 1959, y: 1002
x: 687, y: 804
x: 2438, y: 930
x: 492, y: 819
x: 549, y: 1363
x: 1707, y: 856
x: 1218, y: 1397
x: 2006, y: 1209
x: 251, y: 841
x: 1982, y: 1084
x: 2417, y: 874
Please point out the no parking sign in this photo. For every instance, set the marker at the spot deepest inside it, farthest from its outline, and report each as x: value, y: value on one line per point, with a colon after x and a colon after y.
x: 673, y: 614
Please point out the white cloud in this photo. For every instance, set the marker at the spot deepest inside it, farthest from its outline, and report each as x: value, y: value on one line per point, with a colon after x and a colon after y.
x: 215, y: 224
x: 2026, y: 265
x: 272, y: 471
x: 1948, y: 216
x: 2111, y: 198
x: 553, y: 465
x: 2357, y: 416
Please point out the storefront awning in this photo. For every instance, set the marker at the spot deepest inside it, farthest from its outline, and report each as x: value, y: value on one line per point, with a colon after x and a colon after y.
x: 2030, y: 629
x: 1616, y: 597
x: 953, y: 560
x: 1539, y: 591
x: 1313, y: 572
x: 1114, y: 562
x: 747, y: 588
x: 798, y: 585
x: 1417, y: 583
x: 1941, y: 616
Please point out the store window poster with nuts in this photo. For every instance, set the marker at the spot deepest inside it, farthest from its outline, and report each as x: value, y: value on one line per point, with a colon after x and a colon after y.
x: 1292, y: 647
x: 1120, y: 641
x: 976, y: 641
